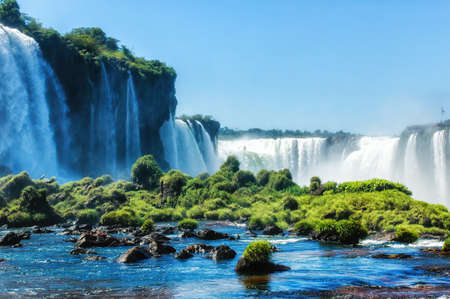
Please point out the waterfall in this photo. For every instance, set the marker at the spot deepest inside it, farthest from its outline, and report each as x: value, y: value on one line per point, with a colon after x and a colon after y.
x: 420, y: 161
x: 133, y: 141
x: 106, y: 125
x: 27, y: 136
x: 188, y: 147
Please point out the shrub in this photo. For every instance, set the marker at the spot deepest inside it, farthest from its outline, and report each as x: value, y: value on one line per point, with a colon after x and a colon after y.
x: 304, y: 227
x: 13, y: 187
x: 212, y: 215
x: 404, y: 234
x: 330, y: 187
x: 232, y: 164
x: 87, y: 216
x: 350, y: 232
x: 244, y: 178
x: 315, y: 186
x: 20, y: 219
x: 196, y: 212
x: 172, y: 183
x: 258, y: 252
x: 146, y: 172
x: 103, y: 180
x: 446, y: 246
x: 147, y: 226
x: 290, y: 203
x: 123, y: 218
x: 372, y: 185
x: 188, y: 224
x: 279, y: 181
x: 263, y: 177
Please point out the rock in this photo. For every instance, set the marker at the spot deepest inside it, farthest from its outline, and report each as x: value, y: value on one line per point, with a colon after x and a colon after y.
x: 156, y: 248
x: 95, y: 258
x: 222, y: 252
x: 274, y: 248
x: 165, y: 230
x: 71, y: 240
x: 400, y: 256
x: 199, y: 249
x: 272, y: 230
x: 38, y: 230
x: 245, y: 267
x: 24, y: 235
x: 134, y: 254
x: 251, y: 234
x: 188, y: 234
x: 16, y: 245
x: 209, y: 234
x: 78, y: 251
x: 10, y: 239
x: 441, y: 270
x: 98, y: 239
x: 435, y: 251
x: 2, y: 260
x: 159, y: 238
x: 183, y: 254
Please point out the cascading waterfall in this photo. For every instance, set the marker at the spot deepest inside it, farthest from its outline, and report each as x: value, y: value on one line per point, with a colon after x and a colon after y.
x: 27, y: 136
x: 185, y: 152
x: 373, y: 157
x: 133, y: 140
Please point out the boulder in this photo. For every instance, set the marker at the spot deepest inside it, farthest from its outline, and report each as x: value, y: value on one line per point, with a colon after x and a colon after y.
x: 157, y: 248
x: 10, y: 239
x: 209, y: 234
x: 222, y: 252
x: 78, y: 251
x: 166, y: 229
x: 159, y: 238
x: 99, y: 239
x: 95, y: 258
x: 245, y: 267
x: 24, y: 235
x: 183, y: 254
x: 134, y: 254
x: 188, y: 234
x: 400, y: 256
x: 199, y: 249
x: 38, y: 230
x: 272, y: 230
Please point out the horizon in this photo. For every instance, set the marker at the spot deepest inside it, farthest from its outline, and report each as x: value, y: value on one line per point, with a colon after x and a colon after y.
x: 368, y: 68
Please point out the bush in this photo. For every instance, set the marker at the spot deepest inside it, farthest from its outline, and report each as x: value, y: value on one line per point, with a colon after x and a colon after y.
x: 258, y: 252
x: 350, y: 232
x: 315, y: 186
x: 290, y: 203
x: 88, y: 216
x: 244, y: 178
x: 446, y: 246
x: 13, y: 187
x: 188, y: 224
x: 123, y: 218
x: 232, y: 164
x: 20, y: 219
x: 146, y: 172
x: 279, y: 181
x: 372, y: 185
x: 263, y: 177
x: 147, y: 226
x: 196, y: 212
x: 405, y: 234
x: 172, y: 183
x: 304, y: 227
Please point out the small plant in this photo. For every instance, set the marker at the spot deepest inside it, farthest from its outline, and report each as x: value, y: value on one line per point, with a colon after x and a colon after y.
x: 404, y: 234
x: 350, y: 232
x: 290, y: 203
x: 146, y: 172
x: 446, y: 247
x: 188, y: 224
x: 147, y: 226
x: 258, y: 252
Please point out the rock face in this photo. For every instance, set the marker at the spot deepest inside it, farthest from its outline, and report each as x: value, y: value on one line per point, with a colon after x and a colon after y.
x: 134, y: 254
x: 98, y: 239
x: 209, y: 234
x: 245, y: 267
x: 10, y: 239
x: 272, y: 230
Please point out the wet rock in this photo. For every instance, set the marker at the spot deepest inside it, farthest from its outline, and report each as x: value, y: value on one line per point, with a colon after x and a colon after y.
x: 165, y: 230
x: 24, y: 235
x: 183, y: 254
x: 156, y: 248
x: 199, y: 249
x: 159, y: 238
x: 78, y: 251
x: 38, y: 230
x: 99, y: 239
x: 71, y: 240
x: 388, y: 237
x: 134, y: 254
x: 441, y: 270
x: 400, y: 256
x: 245, y: 267
x: 188, y: 234
x: 222, y: 252
x: 438, y: 251
x: 2, y: 260
x: 10, y: 239
x: 95, y: 258
x: 16, y: 245
x: 209, y: 234
x: 272, y: 230
x: 275, y: 248
x: 251, y: 234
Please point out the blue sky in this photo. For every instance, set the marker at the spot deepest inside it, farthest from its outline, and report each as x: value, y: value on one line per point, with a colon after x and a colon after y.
x: 362, y: 66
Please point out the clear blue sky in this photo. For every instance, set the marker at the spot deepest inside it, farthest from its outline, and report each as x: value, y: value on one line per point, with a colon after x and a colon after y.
x: 361, y: 66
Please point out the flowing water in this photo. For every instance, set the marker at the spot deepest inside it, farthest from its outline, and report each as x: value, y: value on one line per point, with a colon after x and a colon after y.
x: 133, y: 139
x: 44, y: 267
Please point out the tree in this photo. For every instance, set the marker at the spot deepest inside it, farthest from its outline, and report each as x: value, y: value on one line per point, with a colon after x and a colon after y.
x: 232, y: 164
x: 146, y: 172
x: 10, y: 14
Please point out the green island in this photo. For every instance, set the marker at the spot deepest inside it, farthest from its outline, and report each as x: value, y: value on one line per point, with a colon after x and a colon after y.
x: 328, y: 211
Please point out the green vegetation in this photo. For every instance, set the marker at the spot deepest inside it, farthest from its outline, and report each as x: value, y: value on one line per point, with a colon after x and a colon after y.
x: 147, y: 226
x: 146, y: 172
x: 405, y: 234
x: 304, y: 227
x: 446, y: 247
x: 188, y: 224
x: 258, y: 252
